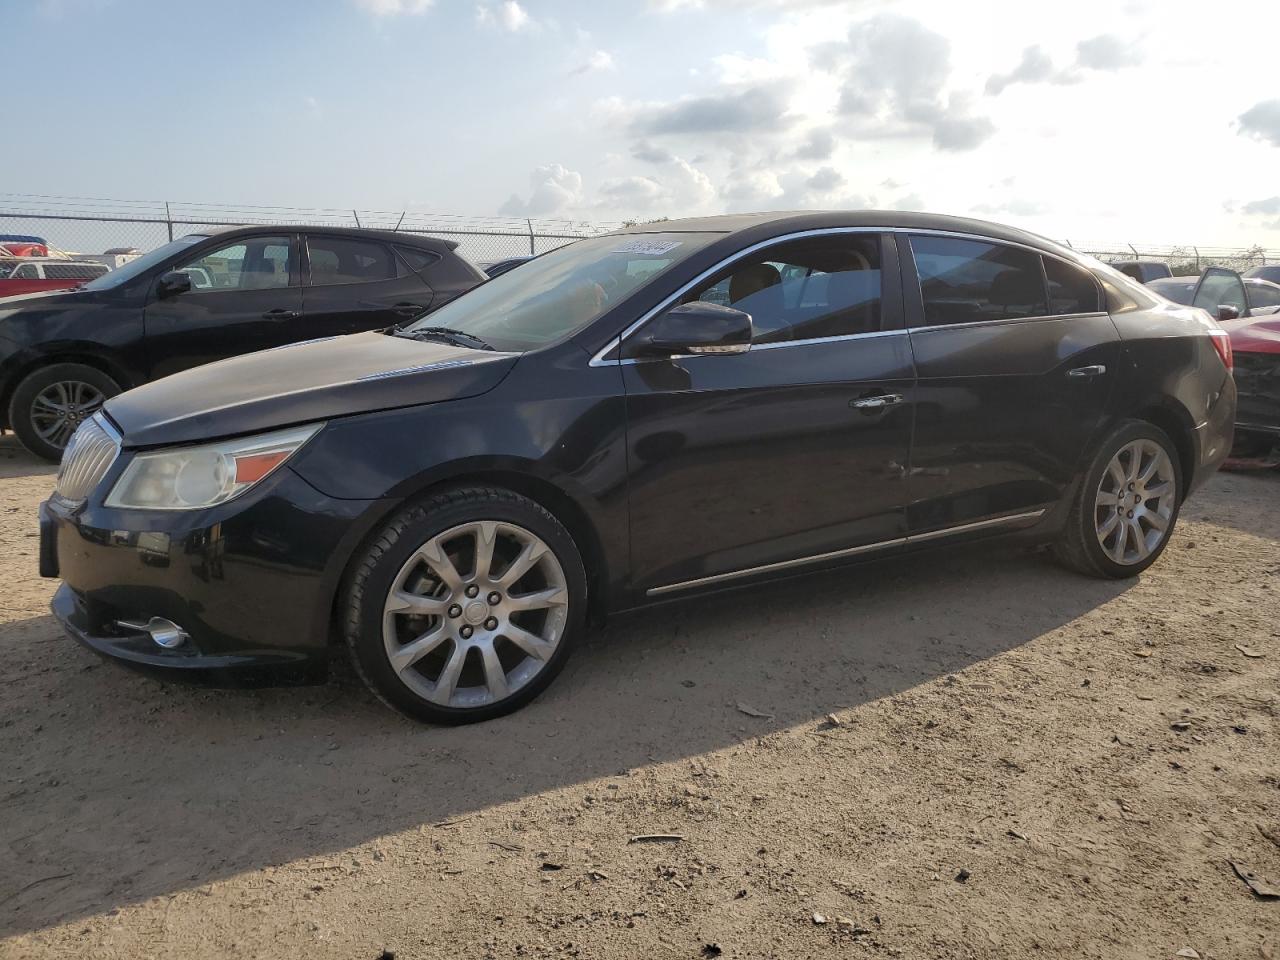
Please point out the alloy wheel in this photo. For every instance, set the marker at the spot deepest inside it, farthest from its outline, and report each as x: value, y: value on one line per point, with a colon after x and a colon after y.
x: 1135, y: 502
x: 475, y: 614
x: 59, y: 409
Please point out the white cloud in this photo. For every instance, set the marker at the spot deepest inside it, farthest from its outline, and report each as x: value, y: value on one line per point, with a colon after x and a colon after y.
x: 733, y: 111
x: 1036, y: 66
x: 1107, y: 52
x: 393, y: 8
x: 508, y: 15
x: 1262, y: 122
x: 599, y: 60
x: 555, y: 189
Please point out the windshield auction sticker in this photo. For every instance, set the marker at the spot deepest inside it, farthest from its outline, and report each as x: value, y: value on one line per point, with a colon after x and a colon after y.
x: 649, y: 248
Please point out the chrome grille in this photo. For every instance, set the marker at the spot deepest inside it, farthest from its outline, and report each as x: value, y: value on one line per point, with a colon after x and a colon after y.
x: 88, y: 457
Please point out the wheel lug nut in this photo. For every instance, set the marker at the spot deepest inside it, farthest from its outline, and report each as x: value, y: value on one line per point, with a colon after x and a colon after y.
x: 455, y: 611
x: 472, y: 590
x: 466, y: 633
x: 491, y: 623
x: 495, y: 598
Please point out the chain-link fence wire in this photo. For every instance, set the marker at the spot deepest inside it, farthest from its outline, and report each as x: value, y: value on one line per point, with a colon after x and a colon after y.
x: 95, y: 225
x: 89, y: 225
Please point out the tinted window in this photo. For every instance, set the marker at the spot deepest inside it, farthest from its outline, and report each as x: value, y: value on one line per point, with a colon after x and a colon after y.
x: 807, y: 289
x: 340, y: 260
x: 1220, y: 288
x: 27, y: 271
x: 257, y: 263
x: 1179, y: 291
x: 73, y: 271
x: 1267, y: 272
x: 968, y: 281
x: 1071, y: 289
x: 417, y: 259
x: 1264, y: 294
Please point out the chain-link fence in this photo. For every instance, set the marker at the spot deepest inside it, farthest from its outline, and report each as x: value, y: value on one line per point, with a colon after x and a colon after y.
x: 83, y: 225
x: 89, y: 225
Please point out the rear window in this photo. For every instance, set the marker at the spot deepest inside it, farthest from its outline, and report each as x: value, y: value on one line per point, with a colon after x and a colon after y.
x: 417, y: 260
x: 73, y: 271
x: 1071, y: 289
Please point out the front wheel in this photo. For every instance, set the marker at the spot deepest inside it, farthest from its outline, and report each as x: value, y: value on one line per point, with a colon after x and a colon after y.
x: 465, y: 606
x: 1127, y: 505
x: 50, y: 403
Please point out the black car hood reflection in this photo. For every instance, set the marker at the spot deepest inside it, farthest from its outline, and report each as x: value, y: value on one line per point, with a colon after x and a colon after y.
x: 316, y: 380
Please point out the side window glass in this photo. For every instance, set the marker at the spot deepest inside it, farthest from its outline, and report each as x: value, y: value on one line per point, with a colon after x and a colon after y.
x: 1264, y: 294
x: 1071, y: 289
x: 1218, y: 288
x: 27, y: 271
x: 259, y: 263
x: 341, y: 260
x: 806, y: 289
x: 970, y: 281
x: 417, y: 260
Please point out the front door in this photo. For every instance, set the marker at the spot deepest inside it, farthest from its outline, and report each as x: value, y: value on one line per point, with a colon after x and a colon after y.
x: 243, y: 297
x: 794, y: 450
x: 1016, y: 360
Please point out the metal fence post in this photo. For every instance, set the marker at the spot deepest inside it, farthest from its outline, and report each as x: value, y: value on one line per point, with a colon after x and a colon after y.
x: 168, y: 220
x: 532, y: 251
x: 1197, y: 250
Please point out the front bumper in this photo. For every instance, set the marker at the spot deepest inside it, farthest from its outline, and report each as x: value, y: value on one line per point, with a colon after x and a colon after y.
x: 251, y: 581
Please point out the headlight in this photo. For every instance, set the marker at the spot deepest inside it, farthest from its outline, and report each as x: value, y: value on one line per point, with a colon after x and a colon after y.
x: 187, y: 478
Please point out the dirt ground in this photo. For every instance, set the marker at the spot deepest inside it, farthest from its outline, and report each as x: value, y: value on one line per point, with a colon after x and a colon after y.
x: 1018, y: 763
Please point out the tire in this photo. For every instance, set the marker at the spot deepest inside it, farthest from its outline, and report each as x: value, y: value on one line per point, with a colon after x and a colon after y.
x: 78, y: 389
x: 1083, y: 546
x: 410, y: 595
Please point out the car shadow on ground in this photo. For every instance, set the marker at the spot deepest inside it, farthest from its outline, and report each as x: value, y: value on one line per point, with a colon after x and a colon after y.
x: 120, y: 787
x: 15, y: 461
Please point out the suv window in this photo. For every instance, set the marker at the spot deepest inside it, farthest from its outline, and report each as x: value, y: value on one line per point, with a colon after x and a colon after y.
x: 73, y: 271
x: 341, y: 260
x: 28, y: 271
x: 970, y: 281
x: 257, y: 263
x: 1071, y: 289
x: 416, y: 259
x: 806, y: 289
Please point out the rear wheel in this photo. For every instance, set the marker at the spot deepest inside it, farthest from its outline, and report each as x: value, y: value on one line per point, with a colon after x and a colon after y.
x: 1126, y: 508
x: 50, y: 403
x: 466, y: 606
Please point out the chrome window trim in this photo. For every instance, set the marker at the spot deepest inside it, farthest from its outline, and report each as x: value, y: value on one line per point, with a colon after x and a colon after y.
x: 1004, y: 320
x: 599, y: 358
x: 847, y: 552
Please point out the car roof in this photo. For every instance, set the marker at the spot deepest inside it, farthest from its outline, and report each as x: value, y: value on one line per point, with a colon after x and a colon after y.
x: 387, y: 236
x: 795, y: 221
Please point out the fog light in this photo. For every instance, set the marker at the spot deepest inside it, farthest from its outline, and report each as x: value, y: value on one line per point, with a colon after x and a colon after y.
x: 164, y: 632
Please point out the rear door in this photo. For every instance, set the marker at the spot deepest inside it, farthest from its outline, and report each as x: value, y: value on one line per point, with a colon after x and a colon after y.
x: 245, y: 296
x: 1016, y: 361
x: 355, y: 283
x: 786, y: 454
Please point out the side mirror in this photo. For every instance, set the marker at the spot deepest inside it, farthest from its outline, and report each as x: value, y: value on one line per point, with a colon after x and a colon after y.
x: 173, y: 283
x: 697, y: 327
x: 1227, y: 312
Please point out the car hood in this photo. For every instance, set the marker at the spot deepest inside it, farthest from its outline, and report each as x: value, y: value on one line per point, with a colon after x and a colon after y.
x: 303, y: 382
x: 1255, y: 334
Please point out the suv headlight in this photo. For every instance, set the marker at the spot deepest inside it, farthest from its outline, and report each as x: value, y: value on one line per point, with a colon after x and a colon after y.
x: 187, y: 478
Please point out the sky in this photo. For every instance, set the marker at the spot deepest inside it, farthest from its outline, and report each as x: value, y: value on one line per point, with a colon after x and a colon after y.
x: 1143, y: 121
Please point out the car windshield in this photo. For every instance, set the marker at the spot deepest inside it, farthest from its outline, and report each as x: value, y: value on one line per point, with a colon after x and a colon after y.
x: 559, y: 293
x: 126, y: 272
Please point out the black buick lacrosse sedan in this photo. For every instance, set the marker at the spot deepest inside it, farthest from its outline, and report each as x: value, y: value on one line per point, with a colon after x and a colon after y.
x: 677, y: 408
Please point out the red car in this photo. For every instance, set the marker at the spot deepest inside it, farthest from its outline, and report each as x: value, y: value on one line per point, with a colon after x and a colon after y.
x: 33, y: 275
x: 1256, y: 344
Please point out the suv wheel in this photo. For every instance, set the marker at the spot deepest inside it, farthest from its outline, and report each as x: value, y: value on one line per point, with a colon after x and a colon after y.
x: 50, y: 403
x: 1127, y: 506
x: 465, y: 606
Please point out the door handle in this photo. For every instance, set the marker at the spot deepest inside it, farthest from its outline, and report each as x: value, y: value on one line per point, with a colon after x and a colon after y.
x: 878, y: 402
x: 408, y: 309
x: 281, y: 314
x: 1095, y: 370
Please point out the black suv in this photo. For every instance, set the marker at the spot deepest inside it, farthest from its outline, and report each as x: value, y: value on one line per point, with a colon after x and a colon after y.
x: 205, y: 297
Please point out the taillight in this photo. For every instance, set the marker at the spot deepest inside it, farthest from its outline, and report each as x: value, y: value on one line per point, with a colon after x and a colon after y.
x: 1222, y: 343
